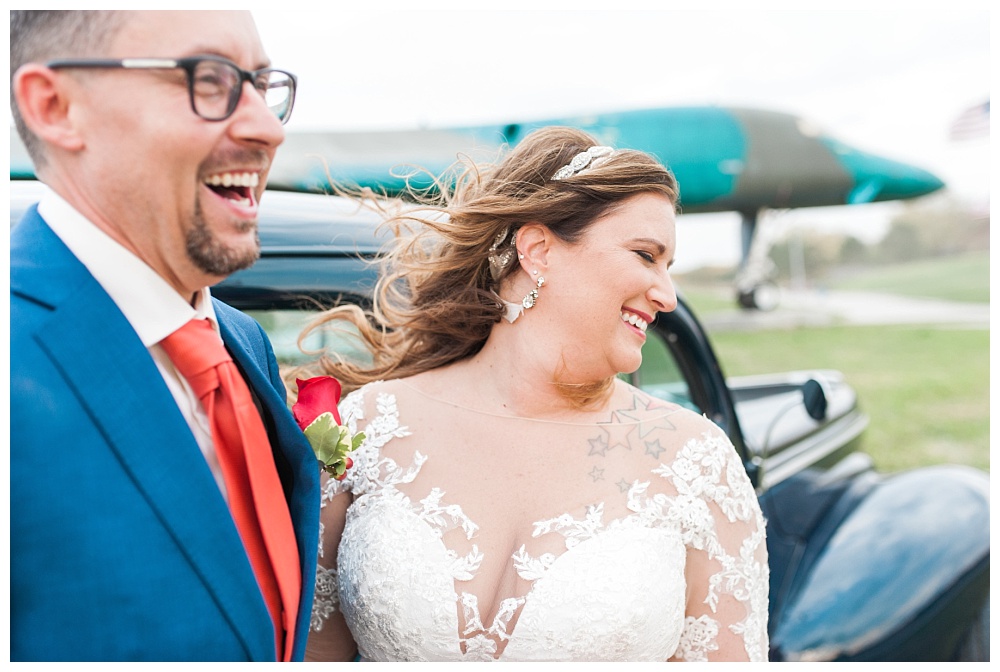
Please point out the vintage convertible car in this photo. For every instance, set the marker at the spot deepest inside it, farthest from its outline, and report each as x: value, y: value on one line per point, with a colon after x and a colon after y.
x: 864, y: 566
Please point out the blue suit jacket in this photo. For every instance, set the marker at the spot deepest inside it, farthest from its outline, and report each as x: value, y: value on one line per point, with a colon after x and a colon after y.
x: 121, y: 545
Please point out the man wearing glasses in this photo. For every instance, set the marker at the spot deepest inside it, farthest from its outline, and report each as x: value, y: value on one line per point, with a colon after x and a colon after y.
x: 164, y: 505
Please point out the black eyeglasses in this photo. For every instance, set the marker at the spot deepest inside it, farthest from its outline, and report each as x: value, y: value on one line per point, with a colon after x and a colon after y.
x: 214, y: 83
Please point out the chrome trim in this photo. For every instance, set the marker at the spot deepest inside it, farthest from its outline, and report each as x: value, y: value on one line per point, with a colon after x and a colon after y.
x: 810, y: 450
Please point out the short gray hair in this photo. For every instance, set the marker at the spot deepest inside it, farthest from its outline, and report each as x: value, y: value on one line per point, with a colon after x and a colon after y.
x: 40, y: 36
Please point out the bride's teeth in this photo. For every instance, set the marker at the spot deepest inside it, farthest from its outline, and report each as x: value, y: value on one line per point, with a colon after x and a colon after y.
x: 635, y: 320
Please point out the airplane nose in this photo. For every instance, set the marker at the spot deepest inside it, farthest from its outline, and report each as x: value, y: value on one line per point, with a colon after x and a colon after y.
x: 880, y: 179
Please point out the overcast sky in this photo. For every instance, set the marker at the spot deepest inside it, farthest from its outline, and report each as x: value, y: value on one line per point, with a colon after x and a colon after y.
x: 889, y: 81
x: 886, y: 76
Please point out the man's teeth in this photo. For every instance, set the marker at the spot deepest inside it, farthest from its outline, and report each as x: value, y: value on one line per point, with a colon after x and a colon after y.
x: 234, y: 180
x: 634, y: 320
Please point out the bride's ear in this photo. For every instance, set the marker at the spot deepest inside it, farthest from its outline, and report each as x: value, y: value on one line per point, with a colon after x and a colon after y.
x: 534, y: 245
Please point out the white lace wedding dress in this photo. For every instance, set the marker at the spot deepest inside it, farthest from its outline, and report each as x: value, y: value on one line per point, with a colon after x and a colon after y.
x: 473, y: 536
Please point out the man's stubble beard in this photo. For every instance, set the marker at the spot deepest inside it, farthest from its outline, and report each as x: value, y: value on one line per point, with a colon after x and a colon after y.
x: 211, y: 255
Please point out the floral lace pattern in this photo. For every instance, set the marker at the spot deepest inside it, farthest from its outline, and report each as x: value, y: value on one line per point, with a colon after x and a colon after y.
x: 617, y: 590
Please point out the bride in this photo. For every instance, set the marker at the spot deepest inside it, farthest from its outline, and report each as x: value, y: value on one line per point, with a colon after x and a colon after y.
x: 513, y: 498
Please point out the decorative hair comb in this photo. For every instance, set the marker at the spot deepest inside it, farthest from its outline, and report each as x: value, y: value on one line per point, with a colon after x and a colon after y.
x: 582, y: 161
x: 500, y: 258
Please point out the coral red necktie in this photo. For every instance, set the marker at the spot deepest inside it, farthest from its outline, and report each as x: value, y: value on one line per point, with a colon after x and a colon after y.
x: 256, y: 500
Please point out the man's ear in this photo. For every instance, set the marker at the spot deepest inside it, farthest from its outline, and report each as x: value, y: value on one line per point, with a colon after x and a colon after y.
x: 534, y: 242
x: 44, y: 102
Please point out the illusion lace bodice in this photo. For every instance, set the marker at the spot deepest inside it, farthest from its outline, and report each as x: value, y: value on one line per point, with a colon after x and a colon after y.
x: 635, y: 537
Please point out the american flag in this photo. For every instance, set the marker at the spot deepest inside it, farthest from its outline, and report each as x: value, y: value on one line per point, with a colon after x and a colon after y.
x: 972, y: 123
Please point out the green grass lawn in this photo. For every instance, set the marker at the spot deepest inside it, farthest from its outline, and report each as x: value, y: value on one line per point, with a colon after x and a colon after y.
x: 926, y: 389
x: 964, y: 277
x: 706, y: 299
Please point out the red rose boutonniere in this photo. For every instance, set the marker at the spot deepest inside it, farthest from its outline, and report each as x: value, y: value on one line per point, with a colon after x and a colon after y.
x: 316, y: 413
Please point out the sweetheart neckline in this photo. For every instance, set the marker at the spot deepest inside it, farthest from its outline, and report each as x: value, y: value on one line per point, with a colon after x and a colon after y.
x: 492, y: 630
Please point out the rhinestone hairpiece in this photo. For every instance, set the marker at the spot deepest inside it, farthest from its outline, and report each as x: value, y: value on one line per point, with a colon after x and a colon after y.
x: 500, y: 258
x: 582, y: 161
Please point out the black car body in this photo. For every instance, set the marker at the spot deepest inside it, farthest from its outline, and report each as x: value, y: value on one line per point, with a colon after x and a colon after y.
x: 864, y: 566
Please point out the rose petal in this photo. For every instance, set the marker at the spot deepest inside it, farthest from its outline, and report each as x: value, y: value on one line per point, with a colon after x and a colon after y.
x: 316, y: 396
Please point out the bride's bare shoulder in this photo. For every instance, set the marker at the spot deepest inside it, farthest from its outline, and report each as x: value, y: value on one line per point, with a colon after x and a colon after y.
x: 632, y: 403
x: 630, y: 399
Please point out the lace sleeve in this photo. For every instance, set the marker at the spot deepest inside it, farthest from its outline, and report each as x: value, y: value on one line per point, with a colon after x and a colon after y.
x: 334, y: 500
x: 726, y: 571
x: 333, y: 512
x: 330, y: 638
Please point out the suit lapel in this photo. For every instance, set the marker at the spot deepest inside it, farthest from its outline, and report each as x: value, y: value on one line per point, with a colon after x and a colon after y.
x: 114, y: 378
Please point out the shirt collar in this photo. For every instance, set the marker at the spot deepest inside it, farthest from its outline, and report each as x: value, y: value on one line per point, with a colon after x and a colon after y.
x: 153, y: 308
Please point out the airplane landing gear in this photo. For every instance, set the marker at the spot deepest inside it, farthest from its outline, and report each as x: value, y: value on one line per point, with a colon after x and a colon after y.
x: 755, y: 284
x: 764, y: 296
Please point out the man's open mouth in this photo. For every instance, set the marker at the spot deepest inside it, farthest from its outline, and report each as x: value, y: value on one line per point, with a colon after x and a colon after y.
x: 236, y: 187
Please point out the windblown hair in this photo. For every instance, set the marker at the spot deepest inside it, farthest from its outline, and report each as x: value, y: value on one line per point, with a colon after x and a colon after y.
x: 435, y: 302
x: 38, y: 36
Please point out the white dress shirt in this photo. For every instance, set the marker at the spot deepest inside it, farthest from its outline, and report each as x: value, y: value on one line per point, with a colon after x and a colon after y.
x: 153, y: 308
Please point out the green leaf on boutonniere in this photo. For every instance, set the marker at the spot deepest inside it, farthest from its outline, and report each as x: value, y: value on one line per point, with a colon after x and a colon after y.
x: 331, y: 443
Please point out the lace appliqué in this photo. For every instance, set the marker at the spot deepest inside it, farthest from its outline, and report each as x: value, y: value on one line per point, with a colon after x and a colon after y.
x: 481, y: 642
x: 364, y: 472
x: 616, y: 593
x: 327, y: 598
x: 698, y: 639
x: 595, y: 602
x: 697, y: 474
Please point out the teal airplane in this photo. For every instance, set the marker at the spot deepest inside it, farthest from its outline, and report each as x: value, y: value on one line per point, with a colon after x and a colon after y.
x: 726, y: 159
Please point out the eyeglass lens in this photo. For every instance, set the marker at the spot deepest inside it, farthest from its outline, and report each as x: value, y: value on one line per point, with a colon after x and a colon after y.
x: 216, y: 88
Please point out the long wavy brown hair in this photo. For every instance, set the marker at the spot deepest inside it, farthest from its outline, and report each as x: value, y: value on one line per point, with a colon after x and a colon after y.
x: 436, y: 302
